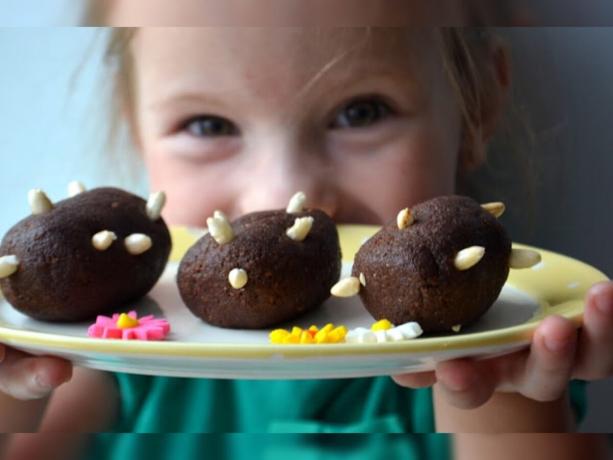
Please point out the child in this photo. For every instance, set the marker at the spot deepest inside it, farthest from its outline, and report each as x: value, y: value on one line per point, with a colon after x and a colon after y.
x: 365, y: 122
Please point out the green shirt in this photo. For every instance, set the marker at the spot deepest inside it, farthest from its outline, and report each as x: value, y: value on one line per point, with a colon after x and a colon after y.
x: 275, y: 419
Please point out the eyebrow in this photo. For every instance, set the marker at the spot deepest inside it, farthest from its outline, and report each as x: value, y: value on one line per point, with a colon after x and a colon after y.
x: 339, y: 81
x: 184, y: 98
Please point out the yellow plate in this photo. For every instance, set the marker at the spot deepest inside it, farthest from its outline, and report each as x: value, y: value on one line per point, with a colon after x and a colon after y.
x: 195, y: 349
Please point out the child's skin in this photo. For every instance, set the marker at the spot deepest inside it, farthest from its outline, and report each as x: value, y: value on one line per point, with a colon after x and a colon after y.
x: 364, y: 124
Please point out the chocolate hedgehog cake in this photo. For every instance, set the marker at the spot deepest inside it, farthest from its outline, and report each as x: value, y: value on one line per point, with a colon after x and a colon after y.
x: 442, y: 264
x: 263, y: 268
x: 85, y: 255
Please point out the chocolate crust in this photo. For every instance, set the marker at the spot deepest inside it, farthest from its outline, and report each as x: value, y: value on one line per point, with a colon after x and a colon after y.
x: 62, y: 277
x: 410, y: 275
x: 286, y: 278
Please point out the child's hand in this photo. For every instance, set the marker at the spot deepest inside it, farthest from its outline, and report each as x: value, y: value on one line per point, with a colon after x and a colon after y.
x: 24, y: 376
x: 558, y: 353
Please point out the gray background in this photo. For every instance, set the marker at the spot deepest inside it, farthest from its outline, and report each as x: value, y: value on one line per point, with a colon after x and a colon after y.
x: 52, y: 127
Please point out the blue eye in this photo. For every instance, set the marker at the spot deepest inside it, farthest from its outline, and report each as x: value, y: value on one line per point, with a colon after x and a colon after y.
x: 361, y: 113
x: 210, y: 126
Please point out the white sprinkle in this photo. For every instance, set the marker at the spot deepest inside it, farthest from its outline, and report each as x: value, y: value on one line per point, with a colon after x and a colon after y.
x: 404, y: 218
x: 8, y: 265
x: 74, y: 188
x: 39, y: 202
x: 456, y: 328
x: 220, y: 215
x: 468, y: 257
x: 137, y: 243
x: 155, y: 204
x: 360, y: 335
x: 410, y: 330
x: 523, y: 258
x: 296, y: 203
x: 362, y: 279
x: 346, y: 287
x: 405, y: 331
x: 103, y: 240
x: 237, y: 278
x: 300, y: 229
x: 381, y: 336
x: 395, y: 334
x: 219, y: 227
x: 495, y: 208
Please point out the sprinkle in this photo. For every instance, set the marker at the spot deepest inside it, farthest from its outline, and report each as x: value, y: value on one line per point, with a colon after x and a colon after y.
x: 129, y: 327
x: 237, y: 278
x: 394, y: 335
x: 495, y: 208
x: 39, y: 202
x: 103, y: 240
x: 410, y: 330
x: 155, y: 204
x: 296, y: 203
x: 125, y: 321
x: 137, y: 243
x: 8, y: 265
x: 346, y: 287
x: 381, y: 325
x: 381, y: 336
x: 313, y: 335
x: 405, y: 331
x: 219, y: 227
x: 523, y: 258
x: 360, y: 335
x: 468, y: 257
x: 456, y: 327
x: 74, y: 188
x: 404, y: 219
x: 300, y: 229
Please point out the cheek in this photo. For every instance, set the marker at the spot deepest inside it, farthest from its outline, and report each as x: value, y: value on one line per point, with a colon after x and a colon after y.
x: 193, y: 191
x: 415, y: 167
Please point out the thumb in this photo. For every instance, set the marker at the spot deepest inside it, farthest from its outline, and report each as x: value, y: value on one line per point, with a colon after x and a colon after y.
x: 25, y: 376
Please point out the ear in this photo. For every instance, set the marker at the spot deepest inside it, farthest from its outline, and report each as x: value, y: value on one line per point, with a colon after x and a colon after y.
x: 494, y: 81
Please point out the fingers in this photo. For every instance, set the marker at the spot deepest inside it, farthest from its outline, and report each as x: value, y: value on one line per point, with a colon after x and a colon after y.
x: 541, y: 374
x: 594, y: 356
x: 465, y: 383
x: 416, y: 380
x: 24, y: 376
x: 549, y: 365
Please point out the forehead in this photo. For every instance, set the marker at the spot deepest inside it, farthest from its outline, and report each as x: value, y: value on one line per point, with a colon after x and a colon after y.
x: 278, y: 60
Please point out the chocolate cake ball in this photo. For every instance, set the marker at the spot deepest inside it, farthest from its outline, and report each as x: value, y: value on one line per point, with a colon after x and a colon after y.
x: 442, y: 264
x: 84, y: 256
x: 262, y: 269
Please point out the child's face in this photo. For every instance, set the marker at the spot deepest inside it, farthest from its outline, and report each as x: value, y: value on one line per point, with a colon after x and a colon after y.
x: 364, y: 122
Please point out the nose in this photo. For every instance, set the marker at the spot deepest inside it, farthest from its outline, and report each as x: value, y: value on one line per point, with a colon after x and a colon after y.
x: 279, y: 173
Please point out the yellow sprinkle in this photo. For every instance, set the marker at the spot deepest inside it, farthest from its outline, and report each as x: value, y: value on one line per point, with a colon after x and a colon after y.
x: 321, y: 336
x: 291, y: 339
x: 305, y: 337
x: 327, y: 334
x: 381, y: 325
x: 337, y: 334
x: 278, y: 335
x: 125, y: 321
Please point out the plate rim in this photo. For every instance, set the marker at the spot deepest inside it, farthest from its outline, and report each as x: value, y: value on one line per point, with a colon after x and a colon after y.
x: 522, y: 333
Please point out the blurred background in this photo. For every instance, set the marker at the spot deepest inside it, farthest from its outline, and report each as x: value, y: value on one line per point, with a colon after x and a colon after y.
x: 53, y: 127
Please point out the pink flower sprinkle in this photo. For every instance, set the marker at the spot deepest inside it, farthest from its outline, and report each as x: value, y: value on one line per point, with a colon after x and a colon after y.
x: 147, y: 328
